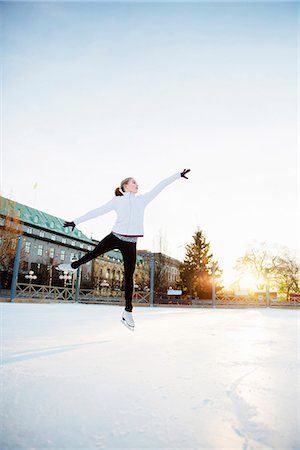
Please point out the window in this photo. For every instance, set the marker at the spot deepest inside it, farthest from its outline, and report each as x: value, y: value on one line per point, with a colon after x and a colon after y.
x: 64, y: 240
x: 40, y: 250
x: 62, y: 255
x: 79, y: 233
x: 89, y: 247
x: 52, y: 224
x: 42, y: 233
x: 29, y: 230
x: 81, y: 245
x: 51, y: 252
x: 53, y: 238
x: 72, y: 256
x: 27, y: 247
x: 36, y: 219
x: 73, y: 243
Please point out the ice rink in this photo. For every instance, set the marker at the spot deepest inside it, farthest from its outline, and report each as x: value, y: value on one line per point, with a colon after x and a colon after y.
x: 73, y: 377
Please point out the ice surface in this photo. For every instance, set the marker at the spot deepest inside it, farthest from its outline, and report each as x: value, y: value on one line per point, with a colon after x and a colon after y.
x: 74, y: 378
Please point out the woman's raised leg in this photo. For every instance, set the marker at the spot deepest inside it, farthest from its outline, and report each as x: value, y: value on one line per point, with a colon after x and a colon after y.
x: 110, y: 242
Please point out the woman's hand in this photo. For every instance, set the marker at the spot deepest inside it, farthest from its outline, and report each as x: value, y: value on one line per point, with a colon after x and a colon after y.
x: 185, y: 172
x: 69, y: 224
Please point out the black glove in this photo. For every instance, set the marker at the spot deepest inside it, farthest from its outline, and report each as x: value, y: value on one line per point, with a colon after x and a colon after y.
x: 185, y: 172
x: 69, y: 224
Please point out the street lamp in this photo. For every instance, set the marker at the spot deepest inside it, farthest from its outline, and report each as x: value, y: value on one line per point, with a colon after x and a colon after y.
x: 266, y: 274
x: 65, y: 277
x: 104, y: 285
x: 213, y: 270
x: 49, y: 268
x: 31, y: 277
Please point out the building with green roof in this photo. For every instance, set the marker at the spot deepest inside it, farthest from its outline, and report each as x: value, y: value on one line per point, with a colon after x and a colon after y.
x: 46, y: 243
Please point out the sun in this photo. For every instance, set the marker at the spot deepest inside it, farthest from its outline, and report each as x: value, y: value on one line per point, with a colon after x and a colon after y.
x: 248, y: 281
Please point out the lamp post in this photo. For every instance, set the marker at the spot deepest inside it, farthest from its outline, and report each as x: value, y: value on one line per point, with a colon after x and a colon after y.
x: 213, y: 271
x: 152, y: 280
x: 104, y: 286
x: 65, y: 277
x: 267, y: 287
x: 78, y: 275
x: 31, y: 277
x: 49, y: 267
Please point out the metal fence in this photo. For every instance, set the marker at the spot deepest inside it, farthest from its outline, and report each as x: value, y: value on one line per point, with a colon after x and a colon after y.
x: 42, y: 293
x: 30, y: 291
x: 258, y: 301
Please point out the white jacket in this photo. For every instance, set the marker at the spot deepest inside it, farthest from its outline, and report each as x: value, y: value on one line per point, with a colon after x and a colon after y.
x: 129, y: 208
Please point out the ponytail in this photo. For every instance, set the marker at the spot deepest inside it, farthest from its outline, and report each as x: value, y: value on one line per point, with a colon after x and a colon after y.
x: 118, y: 191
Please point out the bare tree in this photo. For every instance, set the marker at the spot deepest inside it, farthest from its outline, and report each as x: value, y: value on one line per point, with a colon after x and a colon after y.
x: 272, y: 263
x: 288, y: 274
x: 9, y: 235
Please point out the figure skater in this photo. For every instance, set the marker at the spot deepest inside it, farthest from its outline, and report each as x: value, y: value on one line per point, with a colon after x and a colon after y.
x: 128, y: 226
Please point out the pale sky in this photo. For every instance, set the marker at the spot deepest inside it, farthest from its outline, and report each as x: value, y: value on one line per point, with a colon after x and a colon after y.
x: 95, y: 92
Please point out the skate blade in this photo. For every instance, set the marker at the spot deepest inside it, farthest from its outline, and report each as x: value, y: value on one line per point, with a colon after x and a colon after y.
x: 126, y: 325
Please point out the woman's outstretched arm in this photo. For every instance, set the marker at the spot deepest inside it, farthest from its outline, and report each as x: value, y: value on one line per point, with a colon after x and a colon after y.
x: 109, y: 206
x: 149, y: 196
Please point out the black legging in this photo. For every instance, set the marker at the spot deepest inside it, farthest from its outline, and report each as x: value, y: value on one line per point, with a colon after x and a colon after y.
x: 128, y: 250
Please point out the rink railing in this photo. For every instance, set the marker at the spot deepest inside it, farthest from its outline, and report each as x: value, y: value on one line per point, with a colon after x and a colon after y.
x: 34, y: 292
x: 68, y: 294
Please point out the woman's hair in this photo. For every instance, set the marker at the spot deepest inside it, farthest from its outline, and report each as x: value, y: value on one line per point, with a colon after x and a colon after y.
x: 120, y: 190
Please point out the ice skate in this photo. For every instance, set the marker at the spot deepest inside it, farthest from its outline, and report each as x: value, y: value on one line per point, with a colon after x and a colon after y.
x: 66, y: 267
x: 127, y: 320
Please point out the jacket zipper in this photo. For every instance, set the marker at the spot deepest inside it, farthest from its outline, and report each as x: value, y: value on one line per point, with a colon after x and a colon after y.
x: 129, y: 213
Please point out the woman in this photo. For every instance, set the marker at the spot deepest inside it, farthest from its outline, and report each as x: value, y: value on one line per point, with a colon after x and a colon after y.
x: 127, y: 228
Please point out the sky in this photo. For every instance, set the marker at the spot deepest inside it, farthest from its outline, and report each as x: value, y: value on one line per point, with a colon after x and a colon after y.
x: 92, y: 93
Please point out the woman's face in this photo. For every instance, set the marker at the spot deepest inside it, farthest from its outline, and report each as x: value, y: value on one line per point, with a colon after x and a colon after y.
x: 131, y: 186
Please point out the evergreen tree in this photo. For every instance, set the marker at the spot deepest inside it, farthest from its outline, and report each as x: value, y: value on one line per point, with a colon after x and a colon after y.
x: 196, y: 269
